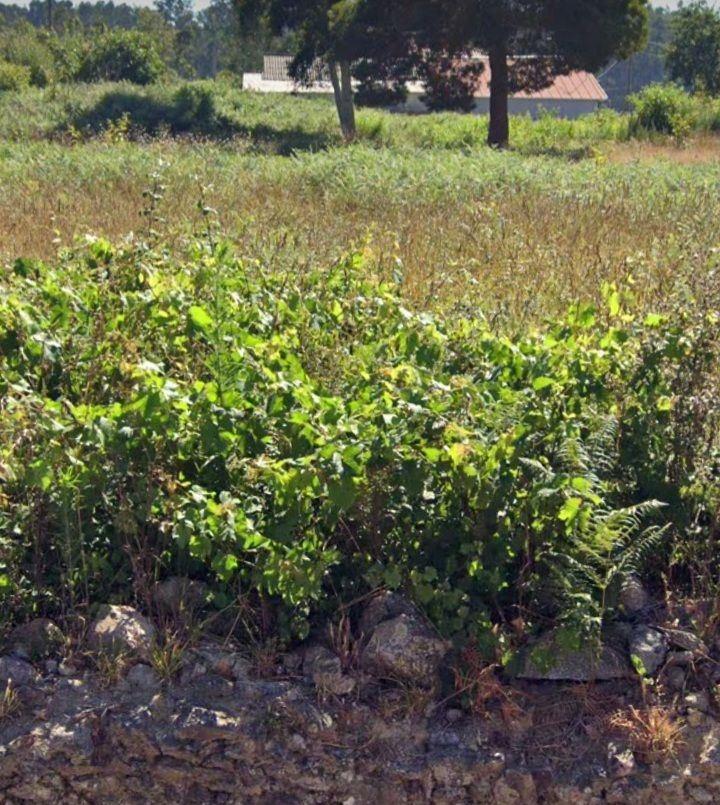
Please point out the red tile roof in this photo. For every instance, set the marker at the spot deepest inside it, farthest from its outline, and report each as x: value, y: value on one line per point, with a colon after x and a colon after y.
x: 576, y: 86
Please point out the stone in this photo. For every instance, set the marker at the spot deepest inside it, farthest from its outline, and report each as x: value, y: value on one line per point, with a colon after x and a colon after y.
x: 297, y: 743
x: 674, y: 678
x: 547, y: 659
x: 325, y: 670
x: 16, y: 672
x: 178, y: 595
x: 36, y: 640
x: 383, y: 607
x: 697, y: 700
x: 687, y: 641
x: 142, y: 677
x: 695, y: 718
x: 633, y: 596
x: 701, y: 795
x: 679, y: 658
x: 621, y: 763
x: 67, y: 669
x: 649, y: 647
x: 122, y: 630
x: 453, y: 715
x: 405, y: 648
x: 226, y: 663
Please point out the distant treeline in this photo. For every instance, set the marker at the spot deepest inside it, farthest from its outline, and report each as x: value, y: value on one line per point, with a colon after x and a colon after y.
x: 193, y: 45
x: 200, y: 45
x: 623, y: 78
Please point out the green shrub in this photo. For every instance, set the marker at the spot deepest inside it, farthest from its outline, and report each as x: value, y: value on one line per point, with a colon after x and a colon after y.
x: 193, y: 106
x: 663, y: 109
x: 27, y: 46
x: 13, y: 76
x: 307, y: 438
x: 120, y: 56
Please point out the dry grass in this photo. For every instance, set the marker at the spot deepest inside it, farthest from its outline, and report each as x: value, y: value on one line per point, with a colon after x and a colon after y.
x: 344, y: 644
x: 653, y: 733
x: 110, y: 667
x: 519, y: 255
x: 700, y: 150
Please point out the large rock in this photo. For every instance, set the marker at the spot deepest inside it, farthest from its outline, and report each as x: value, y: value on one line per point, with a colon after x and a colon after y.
x: 687, y: 641
x: 548, y: 659
x: 36, y: 640
x: 383, y: 607
x: 649, y: 647
x: 633, y: 596
x: 405, y: 648
x: 122, y: 630
x: 325, y: 670
x: 178, y: 595
x: 16, y: 672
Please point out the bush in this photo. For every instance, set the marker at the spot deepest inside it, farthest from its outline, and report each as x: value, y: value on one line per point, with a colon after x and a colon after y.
x: 194, y: 108
x: 26, y: 46
x: 664, y: 109
x: 13, y: 76
x: 120, y: 56
x: 306, y: 438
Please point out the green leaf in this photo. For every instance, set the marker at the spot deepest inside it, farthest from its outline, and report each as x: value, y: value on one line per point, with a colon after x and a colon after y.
x: 543, y: 382
x: 570, y: 509
x: 200, y: 318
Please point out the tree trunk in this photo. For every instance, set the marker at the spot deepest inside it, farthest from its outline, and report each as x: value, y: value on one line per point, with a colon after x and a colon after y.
x: 341, y: 79
x: 499, y: 132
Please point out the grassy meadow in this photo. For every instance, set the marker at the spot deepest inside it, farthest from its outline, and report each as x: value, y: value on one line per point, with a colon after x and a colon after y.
x: 575, y: 197
x: 276, y: 356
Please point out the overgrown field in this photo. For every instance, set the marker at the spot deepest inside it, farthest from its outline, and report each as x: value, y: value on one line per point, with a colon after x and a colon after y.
x: 516, y: 236
x: 488, y: 379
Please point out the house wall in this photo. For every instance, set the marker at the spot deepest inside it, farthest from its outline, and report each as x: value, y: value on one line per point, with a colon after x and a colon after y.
x: 518, y: 106
x: 565, y: 108
x: 255, y: 81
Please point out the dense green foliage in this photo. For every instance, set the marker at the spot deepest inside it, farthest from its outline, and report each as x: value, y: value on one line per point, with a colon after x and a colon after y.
x: 285, y: 124
x: 665, y: 109
x: 120, y: 56
x: 13, y: 77
x: 693, y: 56
x: 307, y: 437
x: 191, y: 45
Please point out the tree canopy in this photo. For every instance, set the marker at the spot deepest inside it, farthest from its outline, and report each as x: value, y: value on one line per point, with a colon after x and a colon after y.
x: 552, y: 36
x: 693, y: 56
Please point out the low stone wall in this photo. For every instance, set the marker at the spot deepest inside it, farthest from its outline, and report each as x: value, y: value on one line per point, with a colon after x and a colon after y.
x: 118, y: 715
x: 220, y: 736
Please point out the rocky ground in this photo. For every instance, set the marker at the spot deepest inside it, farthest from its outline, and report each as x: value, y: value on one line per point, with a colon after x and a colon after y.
x: 375, y: 719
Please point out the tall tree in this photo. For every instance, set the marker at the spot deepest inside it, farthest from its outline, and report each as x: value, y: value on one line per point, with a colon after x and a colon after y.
x: 530, y: 42
x: 337, y: 32
x: 693, y: 55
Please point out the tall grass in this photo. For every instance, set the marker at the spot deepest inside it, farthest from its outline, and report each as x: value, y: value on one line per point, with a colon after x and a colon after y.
x: 272, y: 124
x: 447, y: 219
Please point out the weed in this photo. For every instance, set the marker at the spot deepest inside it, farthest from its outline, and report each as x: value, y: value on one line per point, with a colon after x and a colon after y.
x: 652, y: 731
x: 10, y: 703
x: 110, y: 667
x: 167, y: 656
x: 344, y: 644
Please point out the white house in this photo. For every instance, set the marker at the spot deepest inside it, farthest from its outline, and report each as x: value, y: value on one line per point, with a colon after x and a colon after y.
x: 570, y: 96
